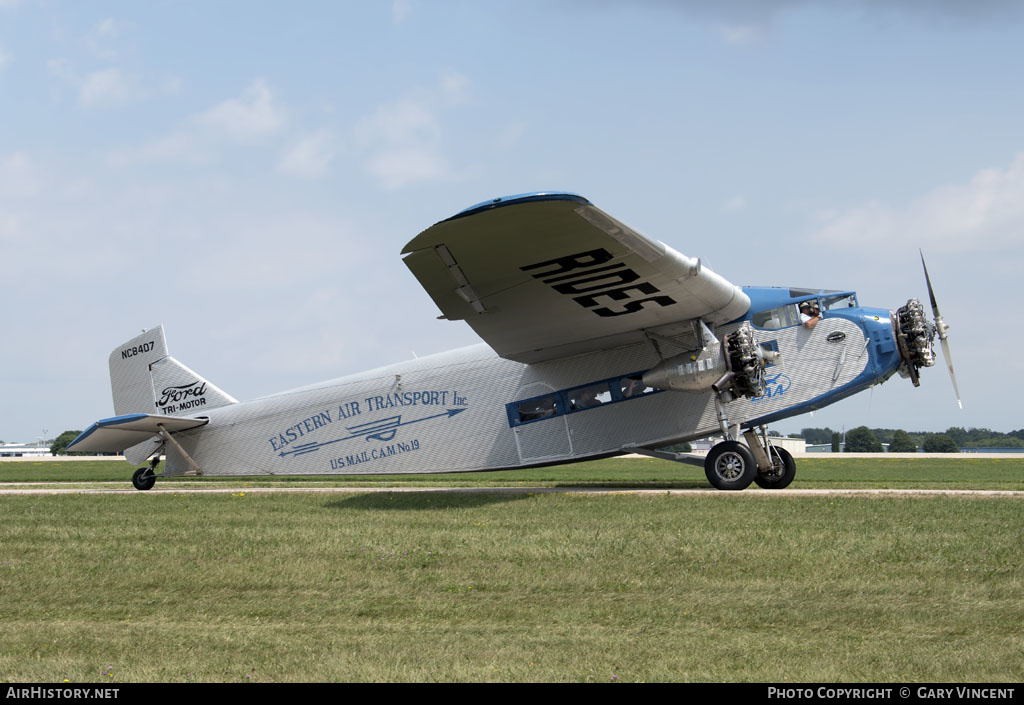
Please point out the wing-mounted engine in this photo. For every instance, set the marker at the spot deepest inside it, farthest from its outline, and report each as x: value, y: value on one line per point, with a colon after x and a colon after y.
x: 728, y: 369
x: 915, y: 336
x: 745, y: 377
x: 731, y: 368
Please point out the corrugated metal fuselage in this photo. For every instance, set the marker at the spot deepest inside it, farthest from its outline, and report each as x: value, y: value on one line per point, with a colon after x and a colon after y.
x: 450, y: 412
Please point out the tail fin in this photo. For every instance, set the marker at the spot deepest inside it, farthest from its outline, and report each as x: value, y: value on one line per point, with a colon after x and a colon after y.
x: 145, y: 379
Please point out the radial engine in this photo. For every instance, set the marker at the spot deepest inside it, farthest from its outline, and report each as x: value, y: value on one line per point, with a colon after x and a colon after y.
x: 732, y: 367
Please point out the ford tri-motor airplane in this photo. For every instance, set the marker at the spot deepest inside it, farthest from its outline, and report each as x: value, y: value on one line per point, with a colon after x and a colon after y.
x: 599, y: 341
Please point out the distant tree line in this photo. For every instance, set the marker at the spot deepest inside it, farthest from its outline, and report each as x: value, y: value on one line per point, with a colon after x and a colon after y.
x: 57, y: 447
x: 870, y: 440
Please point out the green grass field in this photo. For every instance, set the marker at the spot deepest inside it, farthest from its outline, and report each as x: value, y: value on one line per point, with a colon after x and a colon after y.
x: 472, y: 587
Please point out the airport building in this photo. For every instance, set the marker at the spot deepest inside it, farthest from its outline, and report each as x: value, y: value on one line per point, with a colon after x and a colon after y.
x: 796, y: 446
x: 23, y: 450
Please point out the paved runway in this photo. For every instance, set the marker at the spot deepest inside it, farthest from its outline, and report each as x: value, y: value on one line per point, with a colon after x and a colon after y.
x: 28, y: 488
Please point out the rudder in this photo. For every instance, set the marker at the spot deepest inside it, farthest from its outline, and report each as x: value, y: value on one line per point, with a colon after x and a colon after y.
x: 144, y: 378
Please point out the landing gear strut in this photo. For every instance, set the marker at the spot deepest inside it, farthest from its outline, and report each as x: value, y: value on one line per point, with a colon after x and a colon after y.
x: 781, y: 473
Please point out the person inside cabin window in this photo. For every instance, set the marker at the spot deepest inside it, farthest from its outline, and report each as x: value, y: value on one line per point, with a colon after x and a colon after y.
x: 586, y: 398
x: 632, y: 387
x: 810, y: 314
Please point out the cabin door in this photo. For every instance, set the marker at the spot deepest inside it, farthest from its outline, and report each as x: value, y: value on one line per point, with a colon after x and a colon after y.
x: 545, y: 440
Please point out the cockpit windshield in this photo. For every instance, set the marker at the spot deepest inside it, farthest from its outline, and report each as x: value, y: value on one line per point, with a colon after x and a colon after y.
x: 781, y: 317
x: 831, y: 303
x: 789, y: 314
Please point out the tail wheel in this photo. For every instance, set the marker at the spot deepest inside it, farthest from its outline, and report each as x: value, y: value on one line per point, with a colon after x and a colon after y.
x: 730, y: 466
x: 782, y: 472
x: 144, y: 478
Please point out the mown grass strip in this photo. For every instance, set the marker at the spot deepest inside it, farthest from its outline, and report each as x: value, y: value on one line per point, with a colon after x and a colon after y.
x: 425, y: 587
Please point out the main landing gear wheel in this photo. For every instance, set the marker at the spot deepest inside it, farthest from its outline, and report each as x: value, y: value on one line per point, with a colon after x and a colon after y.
x: 782, y: 473
x: 144, y: 478
x: 730, y: 466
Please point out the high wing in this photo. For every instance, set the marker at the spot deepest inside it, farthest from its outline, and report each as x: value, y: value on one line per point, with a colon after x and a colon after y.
x: 121, y: 432
x: 545, y: 275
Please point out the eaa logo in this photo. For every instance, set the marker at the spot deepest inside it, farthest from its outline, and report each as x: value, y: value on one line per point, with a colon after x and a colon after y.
x: 774, y: 386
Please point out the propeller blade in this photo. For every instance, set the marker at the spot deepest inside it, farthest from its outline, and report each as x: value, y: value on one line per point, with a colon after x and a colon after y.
x: 952, y: 376
x: 941, y: 328
x: 931, y: 292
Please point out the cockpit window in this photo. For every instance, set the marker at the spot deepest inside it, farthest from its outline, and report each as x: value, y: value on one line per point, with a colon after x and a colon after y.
x: 782, y: 317
x: 831, y: 303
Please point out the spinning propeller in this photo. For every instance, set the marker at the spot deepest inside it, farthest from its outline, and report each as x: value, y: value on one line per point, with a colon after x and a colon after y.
x: 941, y: 328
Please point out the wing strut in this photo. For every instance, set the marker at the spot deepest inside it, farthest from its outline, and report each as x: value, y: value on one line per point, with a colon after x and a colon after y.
x: 168, y: 438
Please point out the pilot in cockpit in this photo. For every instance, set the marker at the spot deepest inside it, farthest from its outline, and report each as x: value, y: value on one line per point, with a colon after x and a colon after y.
x: 810, y: 314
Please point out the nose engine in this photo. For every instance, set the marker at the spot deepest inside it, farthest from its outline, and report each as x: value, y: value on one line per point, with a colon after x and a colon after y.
x: 914, y: 336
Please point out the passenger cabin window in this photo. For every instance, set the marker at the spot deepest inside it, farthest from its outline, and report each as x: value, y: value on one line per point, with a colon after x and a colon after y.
x: 586, y: 397
x: 782, y: 317
x: 533, y: 409
x: 633, y: 386
x: 590, y: 396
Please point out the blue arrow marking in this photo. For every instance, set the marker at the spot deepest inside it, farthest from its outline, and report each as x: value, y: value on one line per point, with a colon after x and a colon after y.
x: 379, y: 430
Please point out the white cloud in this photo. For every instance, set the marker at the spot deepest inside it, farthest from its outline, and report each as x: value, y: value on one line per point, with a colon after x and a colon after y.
x: 109, y: 87
x: 179, y: 146
x: 734, y: 204
x: 747, y: 21
x: 4, y: 59
x: 103, y: 34
x: 400, y: 10
x: 20, y: 176
x: 740, y: 34
x: 398, y: 167
x: 455, y: 87
x: 398, y: 123
x: 403, y: 138
x: 251, y: 116
x: 199, y: 139
x: 59, y: 68
x: 310, y: 157
x: 108, y: 27
x: 986, y: 213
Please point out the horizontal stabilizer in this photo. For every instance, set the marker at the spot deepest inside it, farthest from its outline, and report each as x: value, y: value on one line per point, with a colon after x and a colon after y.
x: 121, y: 432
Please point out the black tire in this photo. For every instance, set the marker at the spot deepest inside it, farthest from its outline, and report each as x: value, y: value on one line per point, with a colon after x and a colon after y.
x: 144, y: 479
x: 781, y: 475
x: 730, y: 466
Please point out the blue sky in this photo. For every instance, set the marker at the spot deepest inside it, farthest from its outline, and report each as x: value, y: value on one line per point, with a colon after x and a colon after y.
x: 247, y: 173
